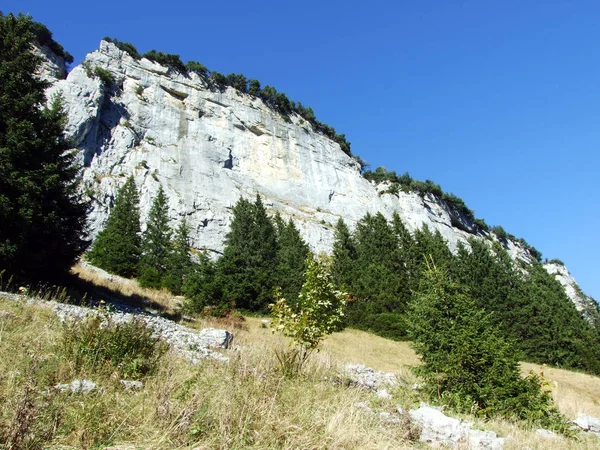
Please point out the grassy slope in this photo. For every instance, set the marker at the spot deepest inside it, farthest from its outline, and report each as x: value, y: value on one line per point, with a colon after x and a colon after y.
x: 243, y: 404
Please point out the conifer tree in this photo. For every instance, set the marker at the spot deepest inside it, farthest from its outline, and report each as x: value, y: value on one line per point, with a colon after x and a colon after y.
x: 247, y: 268
x: 156, y: 243
x: 179, y: 262
x: 292, y: 252
x: 42, y: 216
x: 467, y: 364
x: 344, y: 256
x: 203, y: 288
x: 117, y: 247
x: 379, y: 281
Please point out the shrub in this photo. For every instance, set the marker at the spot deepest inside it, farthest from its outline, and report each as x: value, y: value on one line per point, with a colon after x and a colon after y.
x: 170, y: 60
x: 101, y: 344
x: 124, y: 46
x: 467, y: 364
x: 104, y: 75
x: 317, y: 313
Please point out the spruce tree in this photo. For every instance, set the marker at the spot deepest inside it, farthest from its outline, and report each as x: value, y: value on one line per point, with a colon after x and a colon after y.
x: 380, y: 281
x: 467, y: 364
x: 203, y: 288
x: 42, y: 216
x: 344, y: 256
x: 156, y: 243
x: 179, y: 262
x: 247, y: 268
x: 117, y: 248
x: 292, y: 252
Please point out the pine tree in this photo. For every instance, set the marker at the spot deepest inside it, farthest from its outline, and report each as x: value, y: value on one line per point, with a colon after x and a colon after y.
x: 344, y: 256
x: 203, y: 288
x: 42, y: 216
x: 292, y: 252
x: 247, y: 268
x: 379, y: 279
x: 179, y: 262
x: 117, y: 247
x: 156, y: 243
x: 467, y: 364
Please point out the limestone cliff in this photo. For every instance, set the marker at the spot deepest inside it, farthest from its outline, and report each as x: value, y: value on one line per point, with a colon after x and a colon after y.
x: 207, y: 148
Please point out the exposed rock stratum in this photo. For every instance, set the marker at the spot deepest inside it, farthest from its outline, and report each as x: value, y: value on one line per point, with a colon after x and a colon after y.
x: 209, y: 147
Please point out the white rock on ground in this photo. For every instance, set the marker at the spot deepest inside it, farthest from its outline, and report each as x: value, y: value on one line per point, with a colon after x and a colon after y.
x: 132, y: 385
x: 588, y: 423
x: 368, y: 378
x: 77, y: 387
x: 437, y: 428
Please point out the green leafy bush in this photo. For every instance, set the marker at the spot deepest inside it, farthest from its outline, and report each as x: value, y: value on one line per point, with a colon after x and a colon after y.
x: 99, y: 344
x: 317, y: 313
x: 166, y: 59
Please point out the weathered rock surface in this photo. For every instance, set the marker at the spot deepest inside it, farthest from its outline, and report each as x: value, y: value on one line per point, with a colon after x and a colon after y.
x: 588, y: 423
x: 77, y: 387
x: 365, y: 377
x: 437, y: 428
x: 207, y: 148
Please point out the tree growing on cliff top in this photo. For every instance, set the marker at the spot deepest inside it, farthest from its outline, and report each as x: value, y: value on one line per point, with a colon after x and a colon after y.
x: 118, y: 246
x: 42, y: 216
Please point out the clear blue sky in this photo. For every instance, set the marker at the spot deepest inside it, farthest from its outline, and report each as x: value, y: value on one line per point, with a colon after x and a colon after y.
x: 498, y: 102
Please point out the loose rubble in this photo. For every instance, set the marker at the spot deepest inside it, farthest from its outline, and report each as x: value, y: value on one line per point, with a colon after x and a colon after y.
x: 191, y: 344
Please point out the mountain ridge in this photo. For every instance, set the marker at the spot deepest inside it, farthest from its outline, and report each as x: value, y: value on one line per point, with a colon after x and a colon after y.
x: 209, y: 147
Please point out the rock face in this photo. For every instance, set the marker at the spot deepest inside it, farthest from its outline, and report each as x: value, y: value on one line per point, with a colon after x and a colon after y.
x: 207, y: 148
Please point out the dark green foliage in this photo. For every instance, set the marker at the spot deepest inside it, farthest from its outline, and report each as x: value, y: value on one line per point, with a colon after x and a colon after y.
x: 254, y: 88
x: 203, y: 289
x: 379, y: 279
x: 292, y: 252
x: 555, y: 261
x: 500, y: 233
x: 124, y: 46
x: 156, y: 243
x: 44, y: 37
x: 170, y: 60
x: 194, y: 66
x: 102, y: 345
x: 42, y: 216
x: 531, y: 310
x: 467, y: 364
x: 104, y: 75
x: 344, y: 256
x: 238, y: 81
x: 218, y: 79
x: 247, y: 268
x: 179, y: 262
x: 117, y: 247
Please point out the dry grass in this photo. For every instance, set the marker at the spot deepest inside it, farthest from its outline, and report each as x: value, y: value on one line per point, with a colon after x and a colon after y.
x: 125, y: 289
x: 243, y: 404
x: 574, y: 392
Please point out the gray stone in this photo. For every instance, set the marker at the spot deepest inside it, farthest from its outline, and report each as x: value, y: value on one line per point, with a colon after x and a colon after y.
x: 368, y: 378
x: 439, y: 429
x: 588, y: 423
x: 77, y: 387
x: 547, y: 434
x: 132, y: 385
x: 216, y: 338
